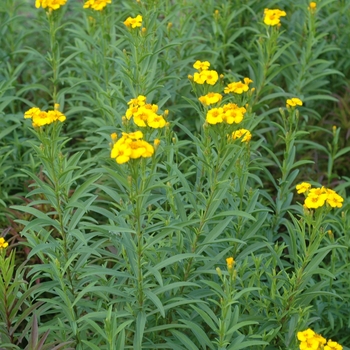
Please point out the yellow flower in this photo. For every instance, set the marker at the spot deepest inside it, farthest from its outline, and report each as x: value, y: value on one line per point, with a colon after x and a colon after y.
x: 114, y: 137
x: 56, y: 115
x: 199, y: 78
x: 312, y: 7
x: 133, y: 22
x: 247, y: 81
x: 272, y: 16
x: 201, y: 65
x: 141, y: 116
x: 294, y: 102
x: 131, y: 146
x: 51, y: 4
x: 230, y: 262
x: 3, y: 243
x: 234, y: 115
x: 304, y: 335
x: 314, y: 200
x: 303, y: 187
x: 138, y: 101
x: 156, y: 121
x: 236, y: 87
x: 247, y: 136
x: 97, y: 5
x: 332, y: 345
x: 121, y: 153
x: 211, y: 76
x: 210, y: 98
x: 334, y: 200
x: 214, y: 116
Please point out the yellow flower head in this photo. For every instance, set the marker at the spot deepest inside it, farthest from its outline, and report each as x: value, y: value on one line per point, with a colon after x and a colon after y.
x: 272, y: 16
x: 3, y: 243
x: 201, y: 65
x: 236, y: 87
x: 303, y: 187
x: 244, y: 133
x: 210, y: 98
x: 97, y: 5
x: 332, y: 345
x: 230, y: 262
x: 293, y: 102
x: 312, y: 7
x: 131, y: 146
x: 215, y: 116
x: 51, y: 4
x: 234, y: 114
x: 133, y: 22
x: 334, y: 200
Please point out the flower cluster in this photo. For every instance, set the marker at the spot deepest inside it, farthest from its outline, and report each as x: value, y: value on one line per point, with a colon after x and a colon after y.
x: 204, y: 75
x: 97, y: 5
x: 133, y: 22
x: 317, y: 197
x: 216, y: 112
x: 293, y: 102
x: 130, y: 146
x: 41, y: 118
x: 272, y: 16
x: 3, y: 243
x: 145, y: 114
x: 238, y: 87
x: 309, y: 340
x: 51, y: 4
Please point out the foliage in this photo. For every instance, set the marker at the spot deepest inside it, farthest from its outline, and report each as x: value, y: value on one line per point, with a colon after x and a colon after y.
x: 191, y: 234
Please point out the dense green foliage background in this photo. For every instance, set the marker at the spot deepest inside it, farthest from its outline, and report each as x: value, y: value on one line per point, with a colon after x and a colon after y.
x: 109, y: 276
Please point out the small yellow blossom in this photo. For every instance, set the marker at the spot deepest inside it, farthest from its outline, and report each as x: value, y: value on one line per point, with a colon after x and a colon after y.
x: 312, y: 7
x: 303, y: 187
x: 210, y: 98
x: 293, y: 102
x: 133, y: 22
x: 230, y: 262
x: 201, y: 66
x: 41, y: 118
x: 51, y: 4
x: 272, y: 16
x: 97, y: 5
x: 215, y: 116
x: 236, y: 87
x: 332, y: 345
x: 3, y: 243
x: 244, y: 133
